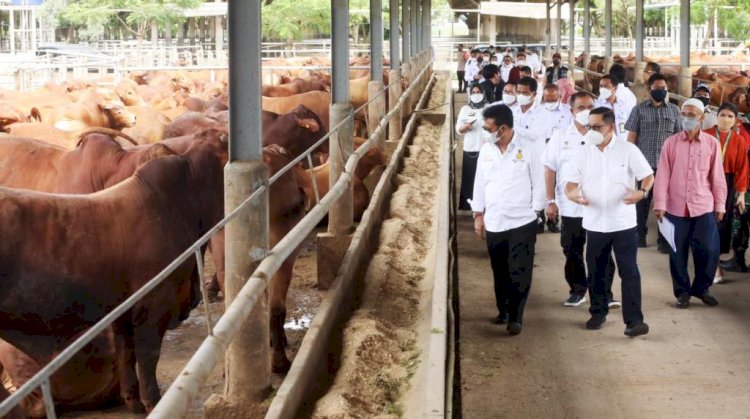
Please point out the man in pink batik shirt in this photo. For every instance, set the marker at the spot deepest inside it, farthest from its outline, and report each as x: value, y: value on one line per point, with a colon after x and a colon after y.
x: 690, y: 191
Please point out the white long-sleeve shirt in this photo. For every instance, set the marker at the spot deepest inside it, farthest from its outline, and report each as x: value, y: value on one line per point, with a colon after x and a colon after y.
x: 472, y: 69
x: 560, y: 156
x: 555, y: 120
x: 509, y: 188
x: 529, y: 124
x: 474, y: 138
x: 623, y: 106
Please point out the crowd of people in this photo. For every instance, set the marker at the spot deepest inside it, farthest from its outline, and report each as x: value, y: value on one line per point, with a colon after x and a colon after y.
x: 593, y: 169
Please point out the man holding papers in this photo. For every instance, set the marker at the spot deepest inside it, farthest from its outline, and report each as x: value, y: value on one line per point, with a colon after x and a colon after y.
x: 602, y: 180
x: 690, y: 191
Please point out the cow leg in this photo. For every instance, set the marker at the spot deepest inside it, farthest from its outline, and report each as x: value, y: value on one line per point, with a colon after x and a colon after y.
x: 147, y: 352
x: 126, y: 360
x: 278, y: 289
x: 217, y: 253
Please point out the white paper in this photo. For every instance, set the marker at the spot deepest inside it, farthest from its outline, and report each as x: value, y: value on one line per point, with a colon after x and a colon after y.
x: 666, y: 228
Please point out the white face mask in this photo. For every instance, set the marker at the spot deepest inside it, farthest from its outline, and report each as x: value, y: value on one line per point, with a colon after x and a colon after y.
x: 594, y: 138
x: 495, y: 136
x: 552, y: 106
x: 476, y: 97
x: 605, y: 93
x: 509, y: 100
x: 524, y: 100
x: 520, y: 63
x: 582, y: 117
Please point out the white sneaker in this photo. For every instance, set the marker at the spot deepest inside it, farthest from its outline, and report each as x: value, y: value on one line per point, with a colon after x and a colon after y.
x: 718, y: 279
x: 614, y: 304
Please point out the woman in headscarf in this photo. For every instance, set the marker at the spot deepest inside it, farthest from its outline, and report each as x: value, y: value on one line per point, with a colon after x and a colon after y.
x: 734, y: 154
x: 469, y: 124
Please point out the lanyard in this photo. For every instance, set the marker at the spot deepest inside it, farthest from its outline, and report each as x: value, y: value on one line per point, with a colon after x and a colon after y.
x: 724, y: 148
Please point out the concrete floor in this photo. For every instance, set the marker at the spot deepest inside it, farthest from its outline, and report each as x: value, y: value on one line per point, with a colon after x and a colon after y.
x: 694, y: 363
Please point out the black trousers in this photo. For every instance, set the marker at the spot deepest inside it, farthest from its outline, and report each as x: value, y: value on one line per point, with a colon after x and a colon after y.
x: 643, y: 209
x: 573, y: 240
x: 742, y: 235
x: 599, y: 248
x: 468, y: 173
x: 462, y: 84
x: 512, y: 258
x: 725, y: 225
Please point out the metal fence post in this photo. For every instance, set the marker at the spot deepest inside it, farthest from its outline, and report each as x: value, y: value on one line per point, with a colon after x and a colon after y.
x: 394, y: 91
x: 247, y: 364
x: 376, y: 108
x: 686, y: 81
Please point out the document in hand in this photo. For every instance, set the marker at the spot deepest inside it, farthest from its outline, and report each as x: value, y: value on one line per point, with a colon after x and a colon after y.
x: 666, y: 228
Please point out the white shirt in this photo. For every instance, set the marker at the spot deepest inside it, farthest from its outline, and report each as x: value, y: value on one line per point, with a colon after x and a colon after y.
x: 560, y: 155
x: 710, y: 119
x: 508, y: 188
x: 605, y: 177
x: 474, y: 138
x: 534, y: 62
x: 505, y: 71
x: 622, y: 110
x: 472, y: 69
x: 528, y: 124
x: 626, y: 97
x: 555, y: 120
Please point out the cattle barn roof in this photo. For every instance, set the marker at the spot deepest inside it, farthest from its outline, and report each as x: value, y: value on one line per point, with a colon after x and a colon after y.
x: 520, y: 9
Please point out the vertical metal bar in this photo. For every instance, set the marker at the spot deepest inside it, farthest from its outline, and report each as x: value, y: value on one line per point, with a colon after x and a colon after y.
x: 548, y: 38
x: 559, y: 26
x: 340, y: 51
x: 608, y: 28
x: 638, y: 31
x: 49, y: 402
x: 684, y: 33
x: 587, y: 27
x: 406, y: 30
x: 204, y: 291
x: 314, y: 180
x: 572, y: 35
x: 376, y: 40
x: 12, y: 29
x: 395, y: 53
x: 245, y: 141
x: 413, y: 10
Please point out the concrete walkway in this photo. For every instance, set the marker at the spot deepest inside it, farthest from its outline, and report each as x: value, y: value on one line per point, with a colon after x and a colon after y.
x: 694, y: 363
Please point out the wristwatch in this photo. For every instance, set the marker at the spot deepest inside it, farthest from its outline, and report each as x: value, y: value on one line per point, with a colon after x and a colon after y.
x: 550, y: 201
x: 645, y: 192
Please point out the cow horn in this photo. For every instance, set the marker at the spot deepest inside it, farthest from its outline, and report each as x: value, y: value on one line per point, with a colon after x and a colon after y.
x: 35, y: 114
x: 105, y: 131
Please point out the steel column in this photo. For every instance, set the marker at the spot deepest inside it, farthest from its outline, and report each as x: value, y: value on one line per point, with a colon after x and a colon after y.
x: 638, y: 30
x: 406, y: 30
x: 376, y: 39
x: 586, y: 27
x: 608, y: 28
x: 572, y: 35
x: 685, y: 73
x: 548, y: 40
x: 413, y: 13
x: 559, y: 26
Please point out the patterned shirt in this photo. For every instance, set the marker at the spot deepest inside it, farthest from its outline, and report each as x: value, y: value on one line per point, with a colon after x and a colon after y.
x: 653, y: 125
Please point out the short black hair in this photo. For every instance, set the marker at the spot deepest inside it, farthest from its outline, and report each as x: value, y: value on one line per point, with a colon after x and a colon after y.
x: 656, y: 77
x: 730, y: 106
x: 525, y: 69
x: 520, y: 53
x: 607, y: 77
x: 476, y: 84
x: 529, y: 82
x: 510, y: 83
x: 654, y: 66
x: 618, y: 73
x: 552, y: 86
x: 578, y: 95
x: 608, y: 116
x: 501, y: 114
x: 489, y: 70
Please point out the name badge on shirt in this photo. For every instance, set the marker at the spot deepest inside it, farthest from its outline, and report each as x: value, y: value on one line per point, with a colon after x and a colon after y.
x: 519, y: 155
x: 622, y: 128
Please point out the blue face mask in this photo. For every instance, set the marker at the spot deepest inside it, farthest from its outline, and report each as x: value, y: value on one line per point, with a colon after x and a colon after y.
x: 689, y: 124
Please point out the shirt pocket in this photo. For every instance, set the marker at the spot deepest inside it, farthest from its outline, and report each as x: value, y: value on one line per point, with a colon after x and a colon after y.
x: 704, y: 160
x: 671, y: 124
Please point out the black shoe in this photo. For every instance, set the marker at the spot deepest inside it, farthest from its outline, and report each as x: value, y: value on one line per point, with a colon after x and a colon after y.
x: 708, y: 299
x: 595, y: 322
x: 514, y: 328
x: 636, y: 329
x: 575, y: 300
x: 642, y: 241
x: 501, y: 318
x: 553, y: 228
x: 734, y: 265
x: 683, y: 301
x: 663, y: 248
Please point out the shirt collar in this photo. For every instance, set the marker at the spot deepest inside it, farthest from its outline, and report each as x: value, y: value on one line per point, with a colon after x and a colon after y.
x: 684, y: 136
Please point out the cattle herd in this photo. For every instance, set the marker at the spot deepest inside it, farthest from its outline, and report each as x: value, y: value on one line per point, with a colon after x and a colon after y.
x: 726, y: 76
x: 102, y: 187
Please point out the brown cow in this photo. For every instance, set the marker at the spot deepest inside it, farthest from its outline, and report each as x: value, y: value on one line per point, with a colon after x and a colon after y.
x: 361, y: 198
x: 94, y: 108
x: 57, y: 137
x: 294, y: 87
x: 127, y: 90
x: 316, y: 101
x: 190, y: 123
x: 295, y: 131
x: 150, y: 127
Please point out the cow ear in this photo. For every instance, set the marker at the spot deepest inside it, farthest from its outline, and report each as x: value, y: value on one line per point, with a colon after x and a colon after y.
x: 160, y: 150
x: 309, y: 124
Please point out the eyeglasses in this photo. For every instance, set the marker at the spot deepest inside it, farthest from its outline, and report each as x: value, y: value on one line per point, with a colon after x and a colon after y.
x: 688, y: 115
x: 597, y: 128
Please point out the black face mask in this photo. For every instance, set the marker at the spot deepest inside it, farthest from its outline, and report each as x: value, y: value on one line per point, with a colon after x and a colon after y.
x: 704, y: 100
x: 659, y: 95
x: 480, y: 59
x: 556, y: 62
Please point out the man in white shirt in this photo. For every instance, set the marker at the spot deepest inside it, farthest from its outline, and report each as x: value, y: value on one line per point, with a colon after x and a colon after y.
x: 622, y: 108
x: 474, y: 67
x: 508, y: 192
x: 623, y: 93
x: 602, y: 181
x: 533, y: 61
x: 559, y: 156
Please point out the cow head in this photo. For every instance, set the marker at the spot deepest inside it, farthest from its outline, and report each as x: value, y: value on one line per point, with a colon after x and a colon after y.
x: 120, y: 116
x: 126, y: 91
x: 309, y: 121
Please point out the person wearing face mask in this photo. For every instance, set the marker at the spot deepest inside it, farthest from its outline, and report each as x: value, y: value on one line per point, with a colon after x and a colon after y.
x: 533, y: 61
x: 473, y: 67
x: 555, y: 115
x: 620, y: 78
x: 690, y: 191
x: 734, y: 157
x: 527, y: 113
x: 521, y: 59
x: 492, y: 84
x: 506, y: 68
x: 553, y: 72
x: 622, y: 109
x: 508, y: 191
x: 703, y: 93
x: 469, y: 124
x: 462, y: 57
x: 560, y: 154
x: 600, y: 181
x: 509, y: 95
x: 650, y: 124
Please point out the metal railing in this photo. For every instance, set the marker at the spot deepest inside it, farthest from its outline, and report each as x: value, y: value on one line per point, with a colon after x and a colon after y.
x: 231, y: 321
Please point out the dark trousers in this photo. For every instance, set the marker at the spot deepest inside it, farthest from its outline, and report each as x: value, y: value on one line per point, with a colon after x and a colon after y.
x: 702, y: 236
x: 468, y: 173
x: 742, y: 235
x: 573, y: 240
x: 462, y: 84
x: 512, y: 259
x: 599, y: 247
x: 725, y: 226
x: 643, y: 209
